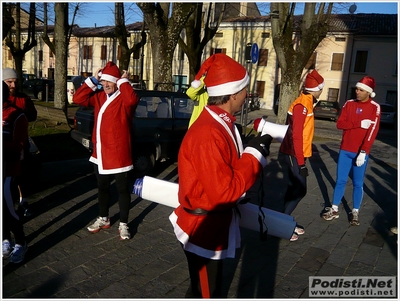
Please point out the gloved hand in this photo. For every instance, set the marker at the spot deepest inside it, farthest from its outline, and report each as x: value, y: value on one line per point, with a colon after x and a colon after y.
x: 261, y: 143
x: 360, y: 158
x: 366, y: 123
x: 303, y: 171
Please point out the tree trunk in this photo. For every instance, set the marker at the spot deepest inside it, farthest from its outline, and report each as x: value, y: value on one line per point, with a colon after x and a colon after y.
x: 294, y: 53
x: 122, y: 36
x: 165, y: 29
x: 61, y: 47
x: 18, y: 49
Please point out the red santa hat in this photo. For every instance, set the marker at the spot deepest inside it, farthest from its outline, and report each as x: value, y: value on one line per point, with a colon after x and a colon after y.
x: 314, y: 81
x: 223, y: 75
x: 367, y: 83
x: 110, y: 73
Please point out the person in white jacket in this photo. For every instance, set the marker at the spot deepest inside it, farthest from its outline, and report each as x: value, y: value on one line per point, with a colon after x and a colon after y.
x: 114, y: 107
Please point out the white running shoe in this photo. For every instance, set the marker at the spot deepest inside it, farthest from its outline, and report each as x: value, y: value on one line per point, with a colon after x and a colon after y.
x: 7, y: 249
x: 124, y: 231
x: 99, y: 224
x: 18, y: 254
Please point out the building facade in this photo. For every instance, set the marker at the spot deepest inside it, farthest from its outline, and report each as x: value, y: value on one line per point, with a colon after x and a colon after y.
x: 356, y: 45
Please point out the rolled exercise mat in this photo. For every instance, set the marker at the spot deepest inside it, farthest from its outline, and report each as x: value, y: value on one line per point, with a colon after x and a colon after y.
x: 166, y: 193
x: 276, y: 131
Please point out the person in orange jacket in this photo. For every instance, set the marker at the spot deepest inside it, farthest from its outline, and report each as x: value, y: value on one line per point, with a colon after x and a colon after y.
x: 296, y: 146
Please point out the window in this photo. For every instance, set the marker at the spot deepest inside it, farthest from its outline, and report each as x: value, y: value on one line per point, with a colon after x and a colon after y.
x: 265, y: 35
x: 219, y: 34
x: 103, y: 54
x: 340, y: 39
x: 260, y: 88
x: 360, y: 64
x: 40, y: 55
x: 263, y: 57
x: 51, y: 54
x: 333, y: 95
x: 311, y: 62
x: 10, y: 57
x: 337, y: 61
x: 87, y: 52
x: 217, y: 50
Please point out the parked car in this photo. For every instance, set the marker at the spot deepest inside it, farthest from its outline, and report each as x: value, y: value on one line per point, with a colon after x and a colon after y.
x: 327, y: 110
x: 388, y: 114
x: 26, y: 77
x: 160, y: 122
x: 36, y: 88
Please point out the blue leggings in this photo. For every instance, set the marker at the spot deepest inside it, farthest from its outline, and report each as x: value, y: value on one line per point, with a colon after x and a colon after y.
x: 347, y: 163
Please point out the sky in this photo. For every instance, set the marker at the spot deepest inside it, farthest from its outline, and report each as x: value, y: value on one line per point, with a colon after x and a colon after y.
x: 98, y: 14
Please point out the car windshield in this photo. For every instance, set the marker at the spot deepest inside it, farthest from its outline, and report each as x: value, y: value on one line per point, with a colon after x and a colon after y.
x: 327, y: 104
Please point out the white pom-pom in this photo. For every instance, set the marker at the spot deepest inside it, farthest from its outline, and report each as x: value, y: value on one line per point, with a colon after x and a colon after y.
x: 373, y: 94
x: 196, y: 83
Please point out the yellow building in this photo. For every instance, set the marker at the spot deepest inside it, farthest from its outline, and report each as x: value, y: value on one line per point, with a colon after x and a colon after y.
x: 356, y: 45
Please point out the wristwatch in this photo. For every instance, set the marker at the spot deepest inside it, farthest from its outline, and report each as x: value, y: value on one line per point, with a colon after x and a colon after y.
x: 362, y: 151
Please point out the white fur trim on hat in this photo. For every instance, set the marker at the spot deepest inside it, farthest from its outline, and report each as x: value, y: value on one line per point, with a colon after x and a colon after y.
x: 9, y: 73
x: 109, y: 78
x: 229, y: 88
x: 366, y: 88
x: 317, y: 88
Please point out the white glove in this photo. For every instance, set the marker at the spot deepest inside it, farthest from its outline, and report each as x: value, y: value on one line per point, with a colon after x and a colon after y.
x: 360, y: 159
x: 365, y: 123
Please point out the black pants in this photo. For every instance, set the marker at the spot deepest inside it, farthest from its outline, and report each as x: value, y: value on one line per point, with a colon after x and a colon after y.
x: 297, y: 187
x: 124, y: 195
x: 12, y: 223
x: 205, y: 277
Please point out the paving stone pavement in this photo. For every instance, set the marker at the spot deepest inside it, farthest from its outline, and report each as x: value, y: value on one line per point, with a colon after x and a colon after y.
x: 64, y: 260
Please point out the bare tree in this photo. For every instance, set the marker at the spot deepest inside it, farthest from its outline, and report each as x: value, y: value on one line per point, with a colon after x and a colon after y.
x: 59, y: 46
x: 122, y: 36
x: 18, y: 49
x: 196, y: 40
x: 293, y: 55
x: 8, y: 20
x: 61, y: 28
x: 165, y: 27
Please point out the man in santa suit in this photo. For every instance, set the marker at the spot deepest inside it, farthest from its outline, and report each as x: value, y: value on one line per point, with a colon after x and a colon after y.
x: 114, y: 107
x: 214, y: 172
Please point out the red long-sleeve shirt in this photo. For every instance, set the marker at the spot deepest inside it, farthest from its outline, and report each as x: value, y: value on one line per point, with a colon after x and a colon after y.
x: 354, y: 137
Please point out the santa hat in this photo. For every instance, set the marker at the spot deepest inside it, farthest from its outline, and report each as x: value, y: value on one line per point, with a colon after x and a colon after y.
x: 110, y: 73
x: 223, y: 75
x: 367, y: 83
x: 9, y: 73
x: 314, y: 81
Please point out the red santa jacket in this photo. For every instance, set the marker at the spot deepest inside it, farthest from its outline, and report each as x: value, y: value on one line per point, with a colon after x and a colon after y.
x: 111, y: 137
x: 214, y: 172
x: 354, y: 137
x: 25, y: 103
x: 15, y: 135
